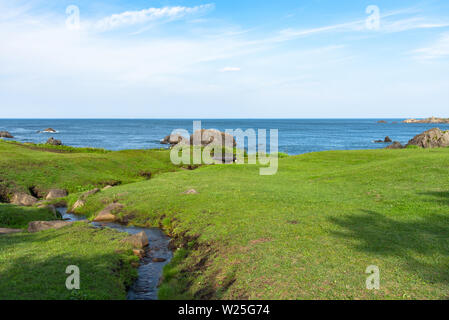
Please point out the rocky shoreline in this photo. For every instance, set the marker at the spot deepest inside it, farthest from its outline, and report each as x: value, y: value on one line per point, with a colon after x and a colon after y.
x: 428, y: 120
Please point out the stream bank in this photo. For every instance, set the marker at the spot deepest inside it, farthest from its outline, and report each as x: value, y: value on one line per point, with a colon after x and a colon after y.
x: 157, y: 255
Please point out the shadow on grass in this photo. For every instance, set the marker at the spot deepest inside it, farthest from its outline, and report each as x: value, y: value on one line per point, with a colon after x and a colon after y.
x: 32, y: 266
x: 426, y: 238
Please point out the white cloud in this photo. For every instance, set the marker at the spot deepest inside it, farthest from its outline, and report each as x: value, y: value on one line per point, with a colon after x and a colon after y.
x: 147, y: 15
x: 440, y: 49
x: 230, y: 69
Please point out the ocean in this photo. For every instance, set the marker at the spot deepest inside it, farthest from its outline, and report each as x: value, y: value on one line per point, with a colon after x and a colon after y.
x: 296, y: 136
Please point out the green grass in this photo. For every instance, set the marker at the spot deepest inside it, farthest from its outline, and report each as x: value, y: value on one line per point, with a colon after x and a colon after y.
x: 308, y: 232
x: 18, y: 217
x: 24, y: 166
x: 33, y: 265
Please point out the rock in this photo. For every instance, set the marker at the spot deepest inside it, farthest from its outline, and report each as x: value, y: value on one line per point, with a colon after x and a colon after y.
x: 108, y: 213
x: 433, y: 138
x: 49, y: 130
x: 9, y: 231
x: 23, y: 199
x: 54, y: 142
x: 78, y: 204
x: 174, y: 139
x: 159, y: 260
x: 427, y: 120
x: 191, y: 191
x: 382, y: 121
x: 5, y: 134
x: 107, y: 187
x: 378, y: 141
x: 36, y: 226
x: 86, y: 194
x: 139, y: 240
x: 205, y: 137
x: 139, y: 252
x: 395, y: 145
x: 387, y: 139
x: 55, y: 194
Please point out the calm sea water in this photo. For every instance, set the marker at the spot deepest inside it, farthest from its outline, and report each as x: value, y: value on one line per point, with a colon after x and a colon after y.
x: 296, y: 136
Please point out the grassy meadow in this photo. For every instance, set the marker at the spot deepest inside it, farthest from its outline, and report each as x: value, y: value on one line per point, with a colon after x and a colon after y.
x: 308, y: 232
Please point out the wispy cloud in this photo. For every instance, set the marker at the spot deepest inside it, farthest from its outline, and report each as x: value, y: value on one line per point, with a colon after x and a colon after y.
x: 230, y: 69
x: 440, y: 49
x: 128, y: 18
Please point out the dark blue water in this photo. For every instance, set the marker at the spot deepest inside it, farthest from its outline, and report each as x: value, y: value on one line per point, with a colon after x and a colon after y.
x: 296, y: 136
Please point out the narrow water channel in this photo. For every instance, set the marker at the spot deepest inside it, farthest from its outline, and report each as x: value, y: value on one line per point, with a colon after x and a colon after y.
x: 157, y: 255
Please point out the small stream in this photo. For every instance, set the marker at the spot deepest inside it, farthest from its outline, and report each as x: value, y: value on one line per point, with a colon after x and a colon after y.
x: 150, y: 271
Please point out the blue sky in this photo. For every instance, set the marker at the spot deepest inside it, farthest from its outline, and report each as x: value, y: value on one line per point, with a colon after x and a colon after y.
x: 224, y: 59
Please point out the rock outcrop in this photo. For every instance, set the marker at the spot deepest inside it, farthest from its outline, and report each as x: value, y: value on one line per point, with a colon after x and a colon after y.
x: 54, y: 142
x: 206, y: 137
x: 139, y: 240
x: 382, y: 121
x: 50, y: 130
x: 36, y: 226
x: 23, y: 199
x: 203, y: 137
x: 108, y: 214
x: 395, y: 145
x: 55, y: 194
x: 386, y: 140
x: 427, y: 120
x: 433, y: 138
x: 5, y: 134
x: 175, y: 139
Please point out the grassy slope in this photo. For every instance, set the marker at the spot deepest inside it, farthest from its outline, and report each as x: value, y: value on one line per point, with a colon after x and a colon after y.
x: 32, y: 265
x: 18, y: 217
x: 22, y: 167
x: 307, y: 232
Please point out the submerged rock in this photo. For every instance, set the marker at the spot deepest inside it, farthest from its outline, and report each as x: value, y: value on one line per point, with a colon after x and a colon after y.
x: 55, y: 194
x: 5, y: 134
x: 23, y: 199
x: 36, y: 226
x: 433, y: 138
x: 108, y: 213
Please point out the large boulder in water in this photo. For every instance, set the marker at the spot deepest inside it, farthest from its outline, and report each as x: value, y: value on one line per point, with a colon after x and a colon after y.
x: 23, y: 199
x: 5, y: 134
x: 49, y: 130
x: 206, y: 137
x: 54, y: 142
x: 433, y: 138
